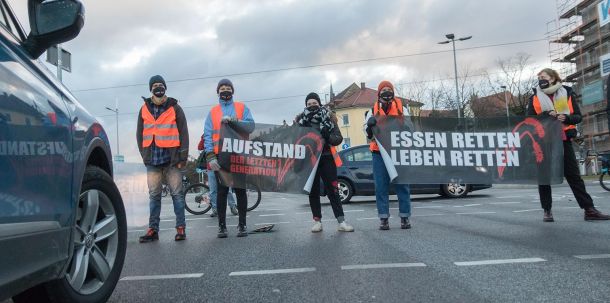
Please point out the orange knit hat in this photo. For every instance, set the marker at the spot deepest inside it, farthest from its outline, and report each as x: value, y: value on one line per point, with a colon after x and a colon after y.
x: 383, y: 84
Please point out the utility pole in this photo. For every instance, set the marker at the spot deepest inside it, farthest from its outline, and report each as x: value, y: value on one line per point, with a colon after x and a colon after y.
x: 116, y: 113
x: 59, y: 62
x: 505, y: 98
x: 452, y: 39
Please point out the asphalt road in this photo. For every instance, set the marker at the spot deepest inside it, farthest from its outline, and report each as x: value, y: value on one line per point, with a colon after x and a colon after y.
x: 489, y: 247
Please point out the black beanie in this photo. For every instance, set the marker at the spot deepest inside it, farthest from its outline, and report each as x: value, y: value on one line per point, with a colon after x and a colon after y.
x: 156, y: 79
x: 226, y: 82
x: 313, y: 96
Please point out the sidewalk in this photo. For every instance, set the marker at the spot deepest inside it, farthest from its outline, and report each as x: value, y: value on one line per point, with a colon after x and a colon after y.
x: 587, y: 179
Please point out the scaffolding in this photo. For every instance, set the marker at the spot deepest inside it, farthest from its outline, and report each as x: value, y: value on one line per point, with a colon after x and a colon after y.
x: 563, y: 33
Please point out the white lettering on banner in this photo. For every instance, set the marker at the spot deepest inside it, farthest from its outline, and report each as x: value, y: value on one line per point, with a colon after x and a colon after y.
x: 416, y: 157
x: 418, y: 139
x: 264, y: 149
x: 458, y: 140
x: 492, y: 158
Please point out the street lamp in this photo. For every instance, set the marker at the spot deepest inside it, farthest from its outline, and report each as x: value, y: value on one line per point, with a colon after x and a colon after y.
x: 116, y: 112
x: 505, y: 98
x: 452, y: 39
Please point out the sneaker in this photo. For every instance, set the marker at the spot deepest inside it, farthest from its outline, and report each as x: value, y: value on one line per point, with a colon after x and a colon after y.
x: 317, y: 227
x: 234, y: 210
x: 343, y: 226
x: 242, y: 231
x: 405, y: 223
x: 222, y: 232
x: 214, y: 213
x: 548, y: 216
x: 180, y: 233
x: 151, y: 235
x: 384, y: 225
x: 592, y: 214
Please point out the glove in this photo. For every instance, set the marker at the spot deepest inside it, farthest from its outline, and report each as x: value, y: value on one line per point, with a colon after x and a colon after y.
x: 227, y: 119
x: 369, y: 133
x: 325, y: 132
x: 214, y: 165
x: 371, y: 122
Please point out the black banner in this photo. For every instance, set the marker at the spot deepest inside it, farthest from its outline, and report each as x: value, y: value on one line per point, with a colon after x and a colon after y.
x: 274, y: 158
x: 518, y: 150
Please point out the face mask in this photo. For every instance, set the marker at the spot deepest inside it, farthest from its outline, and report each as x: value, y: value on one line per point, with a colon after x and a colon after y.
x: 543, y: 83
x: 159, y: 91
x: 313, y: 108
x: 387, y: 96
x: 226, y: 95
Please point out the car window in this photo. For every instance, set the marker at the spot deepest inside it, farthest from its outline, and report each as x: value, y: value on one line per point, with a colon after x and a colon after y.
x: 349, y: 156
x: 9, y: 23
x: 3, y: 17
x: 362, y: 155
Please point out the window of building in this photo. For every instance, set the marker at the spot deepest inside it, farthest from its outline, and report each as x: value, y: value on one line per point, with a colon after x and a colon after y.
x: 345, y: 119
x: 600, y: 123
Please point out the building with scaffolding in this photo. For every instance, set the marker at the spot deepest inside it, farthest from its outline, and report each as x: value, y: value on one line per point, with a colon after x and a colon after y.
x: 577, y: 44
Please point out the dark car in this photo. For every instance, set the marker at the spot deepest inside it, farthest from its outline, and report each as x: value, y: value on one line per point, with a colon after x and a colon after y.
x: 356, y: 178
x: 62, y: 220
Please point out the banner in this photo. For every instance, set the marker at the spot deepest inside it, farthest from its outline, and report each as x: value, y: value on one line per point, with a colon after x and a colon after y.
x: 274, y: 158
x: 516, y: 150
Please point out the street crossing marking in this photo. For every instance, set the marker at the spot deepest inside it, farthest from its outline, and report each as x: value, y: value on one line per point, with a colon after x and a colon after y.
x: 353, y: 210
x: 272, y: 223
x: 162, y: 277
x: 430, y: 206
x: 141, y: 230
x: 371, y: 218
x: 589, y: 257
x: 271, y: 215
x: 477, y: 213
x: 494, y: 262
x: 429, y: 215
x: 525, y: 210
x: 501, y: 203
x: 386, y: 265
x: 272, y: 271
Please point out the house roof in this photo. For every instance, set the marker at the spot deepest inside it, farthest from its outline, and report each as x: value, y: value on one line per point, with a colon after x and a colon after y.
x: 361, y: 96
x: 490, y: 106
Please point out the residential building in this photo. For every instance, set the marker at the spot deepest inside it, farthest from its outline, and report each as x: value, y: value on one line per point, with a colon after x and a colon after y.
x: 491, y: 106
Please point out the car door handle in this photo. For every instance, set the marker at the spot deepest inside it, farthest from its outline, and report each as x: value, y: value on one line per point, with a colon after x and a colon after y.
x: 353, y: 168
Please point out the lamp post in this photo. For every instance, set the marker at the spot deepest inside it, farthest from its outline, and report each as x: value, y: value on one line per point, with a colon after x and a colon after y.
x: 505, y: 98
x: 116, y: 112
x: 452, y: 39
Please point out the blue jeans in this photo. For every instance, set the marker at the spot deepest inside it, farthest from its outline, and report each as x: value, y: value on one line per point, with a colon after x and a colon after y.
x: 213, y: 185
x: 382, y: 187
x: 173, y: 177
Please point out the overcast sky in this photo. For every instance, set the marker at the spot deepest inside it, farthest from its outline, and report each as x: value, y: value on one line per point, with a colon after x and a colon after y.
x: 126, y: 42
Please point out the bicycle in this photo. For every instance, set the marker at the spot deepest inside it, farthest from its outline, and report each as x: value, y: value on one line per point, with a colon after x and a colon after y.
x: 604, y: 177
x: 198, y: 202
x: 165, y: 188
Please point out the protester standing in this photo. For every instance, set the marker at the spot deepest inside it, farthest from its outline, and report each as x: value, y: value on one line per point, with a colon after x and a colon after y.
x: 163, y: 140
x: 238, y: 116
x: 213, y: 186
x: 552, y: 98
x: 321, y: 118
x: 387, y: 104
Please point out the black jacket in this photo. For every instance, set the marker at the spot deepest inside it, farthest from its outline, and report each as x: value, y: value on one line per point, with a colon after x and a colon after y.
x: 178, y: 154
x: 572, y: 119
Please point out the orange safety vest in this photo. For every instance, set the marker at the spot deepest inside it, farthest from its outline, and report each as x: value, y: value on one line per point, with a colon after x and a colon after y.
x: 336, y: 157
x: 163, y: 130
x: 538, y: 109
x: 395, y: 110
x: 216, y: 113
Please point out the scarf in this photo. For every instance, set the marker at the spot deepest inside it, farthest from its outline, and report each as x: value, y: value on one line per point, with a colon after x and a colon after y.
x: 319, y: 117
x: 158, y: 102
x: 560, y: 99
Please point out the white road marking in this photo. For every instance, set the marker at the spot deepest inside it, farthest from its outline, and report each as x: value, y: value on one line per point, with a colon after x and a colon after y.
x: 429, y: 215
x: 501, y: 203
x: 589, y: 257
x: 162, y: 277
x: 494, y: 262
x: 386, y: 265
x: 431, y: 206
x: 272, y: 271
x: 232, y: 225
x: 271, y: 215
x: 468, y: 205
x: 371, y: 218
x: 268, y: 209
x: 353, y: 210
x: 525, y: 210
x: 509, y: 197
x: 477, y: 213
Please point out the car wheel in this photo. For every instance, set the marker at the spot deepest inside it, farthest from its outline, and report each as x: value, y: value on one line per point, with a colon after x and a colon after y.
x: 345, y: 191
x: 100, y: 241
x: 454, y: 190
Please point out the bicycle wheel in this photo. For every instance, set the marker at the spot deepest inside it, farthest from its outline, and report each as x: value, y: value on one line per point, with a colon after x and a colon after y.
x: 604, y: 181
x: 197, y: 199
x: 253, y: 192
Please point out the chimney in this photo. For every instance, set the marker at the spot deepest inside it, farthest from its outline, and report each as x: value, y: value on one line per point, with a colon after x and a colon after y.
x: 362, y: 85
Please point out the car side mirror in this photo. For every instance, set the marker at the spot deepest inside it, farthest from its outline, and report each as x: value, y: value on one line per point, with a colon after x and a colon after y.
x: 53, y: 22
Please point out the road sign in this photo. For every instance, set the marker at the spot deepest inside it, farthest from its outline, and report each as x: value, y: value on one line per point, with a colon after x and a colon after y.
x: 119, y: 158
x: 345, y: 146
x: 604, y: 64
x: 66, y: 62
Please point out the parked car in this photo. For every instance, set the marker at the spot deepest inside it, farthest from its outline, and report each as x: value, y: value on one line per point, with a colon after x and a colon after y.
x: 356, y: 178
x: 62, y: 220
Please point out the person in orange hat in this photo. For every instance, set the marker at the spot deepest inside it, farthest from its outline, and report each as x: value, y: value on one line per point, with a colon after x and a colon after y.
x: 387, y: 104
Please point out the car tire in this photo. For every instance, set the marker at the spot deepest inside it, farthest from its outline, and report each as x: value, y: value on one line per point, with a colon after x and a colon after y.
x: 103, y: 245
x: 454, y: 190
x: 346, y: 191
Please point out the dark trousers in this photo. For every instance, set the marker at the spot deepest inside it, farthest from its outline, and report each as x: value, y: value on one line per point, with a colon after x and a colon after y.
x: 221, y: 203
x: 572, y: 174
x: 327, y: 170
